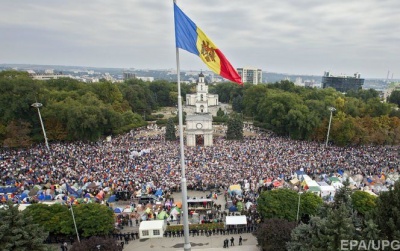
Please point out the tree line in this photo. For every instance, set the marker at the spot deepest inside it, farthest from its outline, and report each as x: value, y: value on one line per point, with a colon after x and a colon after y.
x: 302, y: 113
x: 73, y: 110
x: 41, y: 224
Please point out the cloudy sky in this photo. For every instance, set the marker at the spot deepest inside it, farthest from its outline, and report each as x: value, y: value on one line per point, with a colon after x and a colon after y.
x: 286, y: 36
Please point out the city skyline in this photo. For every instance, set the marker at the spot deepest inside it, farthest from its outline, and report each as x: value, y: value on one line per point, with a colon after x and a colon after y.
x: 307, y: 37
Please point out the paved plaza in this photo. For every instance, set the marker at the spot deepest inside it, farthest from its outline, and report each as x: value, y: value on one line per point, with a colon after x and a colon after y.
x: 204, y: 243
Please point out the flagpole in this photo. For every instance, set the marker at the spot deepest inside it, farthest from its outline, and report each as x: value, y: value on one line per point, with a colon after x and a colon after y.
x: 186, y: 246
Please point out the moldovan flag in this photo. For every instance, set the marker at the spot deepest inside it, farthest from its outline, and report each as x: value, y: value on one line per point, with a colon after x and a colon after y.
x: 191, y: 38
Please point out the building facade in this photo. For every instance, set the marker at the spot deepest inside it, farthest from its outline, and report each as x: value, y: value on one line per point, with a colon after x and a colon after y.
x: 199, y: 129
x: 202, y: 99
x: 250, y: 75
x: 342, y: 83
x: 128, y: 75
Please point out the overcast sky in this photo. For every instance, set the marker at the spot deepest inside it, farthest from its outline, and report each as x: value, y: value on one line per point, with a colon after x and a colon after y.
x: 286, y: 36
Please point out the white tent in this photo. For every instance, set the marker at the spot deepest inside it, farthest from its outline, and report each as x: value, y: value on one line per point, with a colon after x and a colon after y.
x: 327, y: 190
x: 152, y: 229
x: 22, y: 207
x: 236, y: 220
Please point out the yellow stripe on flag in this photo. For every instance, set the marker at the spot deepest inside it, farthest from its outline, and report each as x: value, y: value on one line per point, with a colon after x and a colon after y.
x: 207, y: 52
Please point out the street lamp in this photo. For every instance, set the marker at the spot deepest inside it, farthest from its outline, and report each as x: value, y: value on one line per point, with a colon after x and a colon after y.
x: 298, y: 207
x: 73, y: 218
x: 331, y: 109
x: 38, y: 105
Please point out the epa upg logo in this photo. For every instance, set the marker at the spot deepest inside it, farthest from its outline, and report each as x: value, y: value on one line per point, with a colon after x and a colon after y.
x: 379, y: 245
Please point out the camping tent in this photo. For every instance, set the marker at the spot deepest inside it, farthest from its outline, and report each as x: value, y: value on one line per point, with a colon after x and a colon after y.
x: 235, y: 190
x: 175, y: 212
x: 294, y: 181
x: 233, y: 209
x: 248, y: 205
x: 151, y: 229
x: 159, y: 192
x: 112, y: 198
x: 236, y: 220
x: 162, y: 215
x: 118, y: 210
x: 326, y: 190
x: 239, y: 206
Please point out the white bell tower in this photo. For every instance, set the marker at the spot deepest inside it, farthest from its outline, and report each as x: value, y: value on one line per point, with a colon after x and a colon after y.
x: 199, y: 128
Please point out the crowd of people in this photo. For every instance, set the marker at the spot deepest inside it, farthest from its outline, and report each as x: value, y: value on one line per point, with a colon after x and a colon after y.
x: 143, y: 161
x: 111, y: 163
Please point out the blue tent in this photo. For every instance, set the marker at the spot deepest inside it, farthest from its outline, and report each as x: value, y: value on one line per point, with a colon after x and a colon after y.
x: 159, y: 192
x: 8, y: 189
x: 118, y: 210
x: 22, y: 196
x: 112, y: 198
x: 233, y: 209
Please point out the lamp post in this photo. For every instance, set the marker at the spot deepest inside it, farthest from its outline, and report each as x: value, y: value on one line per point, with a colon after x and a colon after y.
x: 331, y: 109
x: 73, y: 218
x: 38, y: 105
x: 298, y: 207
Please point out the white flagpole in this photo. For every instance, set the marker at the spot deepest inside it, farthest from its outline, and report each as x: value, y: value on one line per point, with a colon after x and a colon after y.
x: 186, y: 246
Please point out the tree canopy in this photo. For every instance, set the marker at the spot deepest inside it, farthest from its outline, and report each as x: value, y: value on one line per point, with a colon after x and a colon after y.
x: 283, y: 204
x: 19, y: 232
x: 91, y: 219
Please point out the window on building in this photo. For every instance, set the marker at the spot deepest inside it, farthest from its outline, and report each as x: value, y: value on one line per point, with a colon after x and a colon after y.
x: 156, y: 232
x: 145, y: 232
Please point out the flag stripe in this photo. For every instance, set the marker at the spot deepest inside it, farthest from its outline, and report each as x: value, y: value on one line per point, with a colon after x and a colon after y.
x: 191, y: 38
x: 185, y: 31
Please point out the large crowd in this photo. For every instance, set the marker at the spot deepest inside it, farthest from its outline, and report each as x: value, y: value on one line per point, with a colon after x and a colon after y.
x: 111, y: 163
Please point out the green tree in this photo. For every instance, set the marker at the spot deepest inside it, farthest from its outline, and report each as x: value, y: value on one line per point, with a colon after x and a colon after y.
x: 363, y: 202
x: 17, y: 93
x: 235, y: 127
x: 220, y: 113
x: 395, y: 97
x: 237, y: 104
x: 170, y: 132
x: 274, y: 233
x: 49, y: 217
x: 275, y: 107
x: 226, y: 91
x: 283, y: 204
x: 18, y: 232
x: 364, y: 95
x: 370, y: 230
x: 161, y: 89
x: 339, y: 226
x: 252, y: 97
x: 376, y: 108
x: 310, y: 236
x: 387, y: 214
x: 91, y: 219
